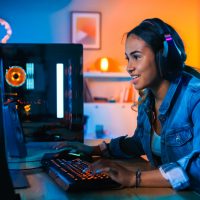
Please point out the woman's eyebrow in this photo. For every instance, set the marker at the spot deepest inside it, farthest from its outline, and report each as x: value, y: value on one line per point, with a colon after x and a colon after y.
x: 132, y: 53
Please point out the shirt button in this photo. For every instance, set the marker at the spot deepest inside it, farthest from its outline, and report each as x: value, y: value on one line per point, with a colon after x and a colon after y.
x: 178, y: 139
x: 162, y: 119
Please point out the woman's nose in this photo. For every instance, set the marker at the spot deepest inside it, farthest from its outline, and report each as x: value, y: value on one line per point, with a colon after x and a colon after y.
x: 130, y: 68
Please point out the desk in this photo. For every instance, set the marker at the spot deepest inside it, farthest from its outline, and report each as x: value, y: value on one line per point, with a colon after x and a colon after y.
x: 43, y: 188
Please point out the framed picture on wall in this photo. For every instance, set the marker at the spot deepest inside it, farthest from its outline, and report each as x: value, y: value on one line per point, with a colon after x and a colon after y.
x: 86, y: 29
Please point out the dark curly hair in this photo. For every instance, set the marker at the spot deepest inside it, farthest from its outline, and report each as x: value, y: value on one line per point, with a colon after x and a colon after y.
x: 153, y: 31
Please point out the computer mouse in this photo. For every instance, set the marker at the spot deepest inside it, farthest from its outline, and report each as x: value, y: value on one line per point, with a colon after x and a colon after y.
x: 73, y: 154
x: 64, y: 154
x: 55, y: 154
x: 68, y: 154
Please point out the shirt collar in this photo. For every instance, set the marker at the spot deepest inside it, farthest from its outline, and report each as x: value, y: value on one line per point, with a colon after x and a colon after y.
x: 169, y: 96
x: 149, y: 102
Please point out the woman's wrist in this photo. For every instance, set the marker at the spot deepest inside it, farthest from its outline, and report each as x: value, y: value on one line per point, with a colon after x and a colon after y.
x: 101, y: 150
x: 153, y: 178
x: 104, y: 149
x: 96, y: 151
x: 138, y: 174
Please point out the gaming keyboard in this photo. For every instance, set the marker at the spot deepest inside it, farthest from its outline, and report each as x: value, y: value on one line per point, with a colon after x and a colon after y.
x: 70, y: 175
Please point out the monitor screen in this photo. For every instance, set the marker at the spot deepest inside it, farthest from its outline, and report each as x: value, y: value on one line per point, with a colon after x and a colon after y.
x: 46, y: 83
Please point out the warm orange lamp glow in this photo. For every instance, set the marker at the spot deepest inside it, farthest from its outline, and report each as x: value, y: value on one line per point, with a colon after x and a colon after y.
x: 104, y: 64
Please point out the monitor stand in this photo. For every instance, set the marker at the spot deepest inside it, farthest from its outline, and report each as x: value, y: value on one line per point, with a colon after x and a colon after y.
x: 18, y: 178
x: 35, y: 152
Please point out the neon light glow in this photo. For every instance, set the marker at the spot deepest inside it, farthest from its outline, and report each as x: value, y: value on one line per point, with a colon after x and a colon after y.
x: 168, y: 37
x: 30, y: 76
x: 8, y: 29
x: 60, y: 90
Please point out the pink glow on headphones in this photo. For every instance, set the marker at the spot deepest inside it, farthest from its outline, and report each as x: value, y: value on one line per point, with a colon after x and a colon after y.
x: 168, y: 37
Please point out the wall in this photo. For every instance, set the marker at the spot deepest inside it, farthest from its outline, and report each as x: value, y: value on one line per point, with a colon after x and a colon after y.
x: 48, y: 21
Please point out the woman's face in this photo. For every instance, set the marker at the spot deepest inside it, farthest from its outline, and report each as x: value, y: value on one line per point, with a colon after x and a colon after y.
x: 141, y: 63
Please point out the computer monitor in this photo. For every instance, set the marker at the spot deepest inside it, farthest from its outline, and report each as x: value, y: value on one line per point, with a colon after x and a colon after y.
x: 46, y: 82
x: 6, y: 189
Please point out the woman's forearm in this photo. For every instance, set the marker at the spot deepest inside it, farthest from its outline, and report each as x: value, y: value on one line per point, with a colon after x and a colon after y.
x: 153, y: 178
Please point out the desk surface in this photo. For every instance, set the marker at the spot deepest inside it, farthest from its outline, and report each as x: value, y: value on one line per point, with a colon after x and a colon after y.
x: 43, y: 188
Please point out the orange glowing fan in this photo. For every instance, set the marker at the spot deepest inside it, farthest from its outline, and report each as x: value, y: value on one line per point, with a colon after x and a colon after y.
x: 15, y: 76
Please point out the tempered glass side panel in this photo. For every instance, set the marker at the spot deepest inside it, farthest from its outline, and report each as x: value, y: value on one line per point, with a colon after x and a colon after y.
x: 46, y: 82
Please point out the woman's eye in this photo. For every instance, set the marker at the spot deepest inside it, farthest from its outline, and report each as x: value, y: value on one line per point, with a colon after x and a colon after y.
x: 136, y: 56
x: 133, y: 57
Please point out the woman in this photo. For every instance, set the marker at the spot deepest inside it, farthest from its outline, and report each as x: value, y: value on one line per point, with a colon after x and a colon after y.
x: 168, y: 123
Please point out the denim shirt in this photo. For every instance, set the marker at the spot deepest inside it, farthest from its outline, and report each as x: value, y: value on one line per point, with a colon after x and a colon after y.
x: 179, y: 115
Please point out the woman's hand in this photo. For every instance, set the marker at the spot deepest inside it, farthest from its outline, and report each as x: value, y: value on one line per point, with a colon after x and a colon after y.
x: 116, y: 172
x: 77, y: 146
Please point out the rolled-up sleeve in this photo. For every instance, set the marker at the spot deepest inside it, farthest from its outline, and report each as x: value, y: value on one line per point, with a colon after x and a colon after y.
x: 175, y: 175
x: 115, y: 148
x: 184, y: 173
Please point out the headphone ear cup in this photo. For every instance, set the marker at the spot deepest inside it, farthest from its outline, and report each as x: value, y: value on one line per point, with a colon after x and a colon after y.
x: 169, y: 60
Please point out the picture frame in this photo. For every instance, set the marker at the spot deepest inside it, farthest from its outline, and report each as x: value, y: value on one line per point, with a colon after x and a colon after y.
x: 86, y: 29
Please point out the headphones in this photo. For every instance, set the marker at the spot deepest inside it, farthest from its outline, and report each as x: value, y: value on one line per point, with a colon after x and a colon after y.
x: 170, y: 59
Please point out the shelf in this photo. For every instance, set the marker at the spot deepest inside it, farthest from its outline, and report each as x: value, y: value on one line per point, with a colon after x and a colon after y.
x: 96, y: 103
x: 104, y: 113
x: 108, y: 75
x: 116, y: 119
